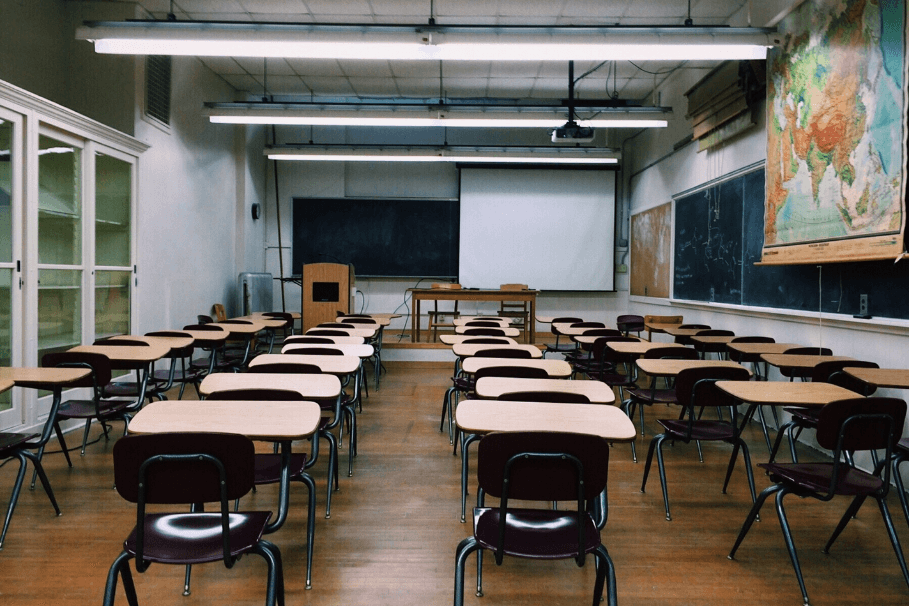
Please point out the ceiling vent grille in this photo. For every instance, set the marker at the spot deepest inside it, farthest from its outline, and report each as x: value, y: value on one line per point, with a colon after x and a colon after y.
x: 157, y: 87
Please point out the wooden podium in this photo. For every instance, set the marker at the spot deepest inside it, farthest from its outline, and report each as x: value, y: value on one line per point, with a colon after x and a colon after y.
x: 326, y: 291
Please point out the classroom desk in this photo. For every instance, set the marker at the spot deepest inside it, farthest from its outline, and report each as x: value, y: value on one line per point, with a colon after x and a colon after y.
x: 450, y: 339
x: 566, y: 329
x: 130, y: 357
x: 418, y: 295
x: 799, y: 362
x: 362, y: 351
x: 381, y: 319
x: 54, y: 380
x: 171, y: 342
x: 207, y: 338
x: 555, y: 369
x: 711, y: 344
x: 281, y: 422
x: 658, y: 327
x: 332, y: 365
x: 479, y: 417
x: 463, y: 320
x: 893, y: 378
x: 636, y: 348
x: 491, y: 388
x: 752, y: 352
x: 364, y: 333
x: 466, y: 350
x: 507, y: 331
x: 671, y: 368
x: 338, y: 340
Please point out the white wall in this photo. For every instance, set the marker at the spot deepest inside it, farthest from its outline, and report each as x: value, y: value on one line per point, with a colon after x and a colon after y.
x: 654, y: 174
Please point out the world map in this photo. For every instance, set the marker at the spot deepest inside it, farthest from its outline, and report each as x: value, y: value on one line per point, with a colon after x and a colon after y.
x: 836, y: 123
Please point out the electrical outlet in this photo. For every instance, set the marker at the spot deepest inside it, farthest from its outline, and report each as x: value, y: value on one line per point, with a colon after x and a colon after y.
x: 621, y: 269
x: 863, y: 305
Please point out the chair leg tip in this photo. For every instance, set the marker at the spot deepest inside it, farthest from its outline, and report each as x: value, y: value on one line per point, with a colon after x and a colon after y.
x: 308, y: 586
x: 479, y: 594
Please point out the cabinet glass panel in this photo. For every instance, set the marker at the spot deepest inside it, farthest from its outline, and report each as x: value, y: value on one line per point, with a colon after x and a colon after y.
x: 111, y: 303
x: 113, y: 188
x: 6, y: 297
x: 6, y: 191
x: 59, y: 202
x: 59, y: 310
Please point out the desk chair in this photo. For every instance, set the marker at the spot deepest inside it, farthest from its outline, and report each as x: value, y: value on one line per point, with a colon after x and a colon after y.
x: 185, y: 375
x: 687, y: 340
x: 215, y: 360
x: 543, y: 467
x: 793, y: 373
x: 638, y: 397
x: 844, y: 425
x: 630, y: 324
x: 519, y: 310
x: 695, y: 388
x: 190, y: 468
x: 441, y: 318
x: 564, y: 347
x: 708, y: 348
x: 376, y: 343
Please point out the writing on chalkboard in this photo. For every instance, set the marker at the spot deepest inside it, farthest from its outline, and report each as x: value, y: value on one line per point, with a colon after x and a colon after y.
x: 719, y: 233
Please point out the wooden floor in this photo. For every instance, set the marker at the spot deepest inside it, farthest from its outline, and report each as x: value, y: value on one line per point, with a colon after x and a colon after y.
x: 395, y: 526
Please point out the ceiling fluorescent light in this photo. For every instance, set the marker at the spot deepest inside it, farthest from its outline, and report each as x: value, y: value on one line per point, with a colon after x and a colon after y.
x: 283, y: 115
x: 427, y: 43
x: 544, y: 155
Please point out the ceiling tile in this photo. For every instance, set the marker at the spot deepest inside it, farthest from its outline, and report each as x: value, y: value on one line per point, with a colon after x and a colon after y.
x: 207, y: 6
x: 272, y: 7
x: 223, y: 65
x: 258, y: 66
x: 595, y: 9
x: 510, y: 87
x: 286, y: 85
x: 373, y: 87
x: 519, y: 69
x: 465, y: 8
x: 334, y: 7
x: 315, y: 67
x: 415, y: 69
x: 401, y: 7
x: 465, y: 87
x: 418, y: 87
x: 328, y: 86
x: 529, y: 8
x: 243, y: 83
x: 466, y: 69
x: 373, y: 69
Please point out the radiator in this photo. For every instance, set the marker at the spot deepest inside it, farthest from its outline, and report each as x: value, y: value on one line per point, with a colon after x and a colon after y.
x: 254, y: 292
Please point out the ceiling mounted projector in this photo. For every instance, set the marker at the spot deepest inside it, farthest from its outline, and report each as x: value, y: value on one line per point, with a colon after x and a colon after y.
x: 572, y: 132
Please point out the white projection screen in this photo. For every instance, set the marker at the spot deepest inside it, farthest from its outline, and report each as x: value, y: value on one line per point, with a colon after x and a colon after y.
x: 551, y: 229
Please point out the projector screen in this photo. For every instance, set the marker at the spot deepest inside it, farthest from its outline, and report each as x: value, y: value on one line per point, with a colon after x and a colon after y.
x: 548, y: 228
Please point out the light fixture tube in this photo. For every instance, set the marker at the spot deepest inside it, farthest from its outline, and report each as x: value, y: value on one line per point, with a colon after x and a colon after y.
x: 444, y: 43
x: 588, y: 156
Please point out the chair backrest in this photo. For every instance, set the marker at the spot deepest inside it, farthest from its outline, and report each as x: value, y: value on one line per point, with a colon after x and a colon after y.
x: 831, y: 371
x: 327, y: 332
x: 120, y: 342
x: 559, y: 397
x: 671, y: 353
x: 203, y: 327
x: 286, y: 368
x: 714, y: 332
x: 220, y: 314
x: 487, y: 341
x: 98, y: 363
x: 513, y: 372
x: 335, y: 325
x: 182, y: 352
x: 487, y: 332
x: 309, y: 350
x: 695, y: 386
x: 503, y: 352
x: 203, y: 319
x: 602, y: 332
x: 358, y: 320
x: 550, y: 479
x: 588, y: 325
x: 693, y: 326
x: 306, y: 339
x: 753, y: 340
x: 601, y: 352
x: 878, y: 426
x: 663, y: 319
x: 809, y: 351
x: 486, y: 323
x: 630, y: 323
x: 257, y: 394
x: 279, y: 315
x: 563, y: 320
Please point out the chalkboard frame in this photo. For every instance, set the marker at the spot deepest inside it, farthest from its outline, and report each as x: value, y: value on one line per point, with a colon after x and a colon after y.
x: 381, y: 237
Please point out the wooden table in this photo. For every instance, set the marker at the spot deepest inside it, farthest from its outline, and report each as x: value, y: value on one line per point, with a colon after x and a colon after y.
x: 636, y: 348
x: 383, y: 319
x: 418, y: 295
x: 711, y: 344
x: 479, y: 417
x: 333, y: 365
x: 450, y: 339
x: 464, y: 320
x: 659, y: 327
x: 752, y: 352
x: 315, y: 387
x: 465, y: 350
x: 171, y: 342
x: 362, y: 351
x: 670, y: 368
x: 893, y: 378
x: 555, y: 369
x: 566, y: 329
x: 799, y: 362
x: 495, y: 387
x: 130, y: 357
x: 281, y: 422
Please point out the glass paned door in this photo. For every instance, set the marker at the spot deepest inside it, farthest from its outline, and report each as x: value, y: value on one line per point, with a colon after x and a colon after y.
x: 113, y: 246
x: 7, y: 160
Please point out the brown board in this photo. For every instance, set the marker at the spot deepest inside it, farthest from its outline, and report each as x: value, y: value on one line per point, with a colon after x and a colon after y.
x: 650, y: 251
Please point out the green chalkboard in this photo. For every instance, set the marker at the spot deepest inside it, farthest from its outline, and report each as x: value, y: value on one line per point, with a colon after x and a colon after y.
x: 719, y: 231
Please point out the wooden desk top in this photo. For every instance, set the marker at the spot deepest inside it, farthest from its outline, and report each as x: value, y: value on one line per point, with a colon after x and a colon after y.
x: 365, y: 333
x: 671, y: 368
x: 638, y: 348
x: 895, y: 378
x: 317, y: 387
x: 659, y: 326
x: 333, y: 365
x: 360, y: 351
x: 450, y: 339
x: 363, y: 322
x: 250, y: 327
x: 485, y: 416
x: 257, y: 420
x: 468, y: 293
x: 545, y: 319
x: 757, y: 349
x: 590, y: 339
x: 465, y: 350
x: 171, y: 342
x: 212, y: 336
x: 261, y: 314
x: 266, y: 321
x: 493, y: 387
x: 675, y: 331
x: 800, y: 361
x: 6, y: 384
x: 784, y: 393
x: 382, y: 319
x: 507, y: 330
x: 465, y: 319
x: 565, y: 328
x: 40, y: 378
x: 556, y: 369
x: 127, y: 353
x: 336, y: 340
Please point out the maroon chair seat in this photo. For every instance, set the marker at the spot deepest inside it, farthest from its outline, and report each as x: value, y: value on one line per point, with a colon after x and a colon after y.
x: 215, y: 361
x: 544, y: 467
x: 857, y: 424
x: 189, y: 468
x: 695, y: 389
